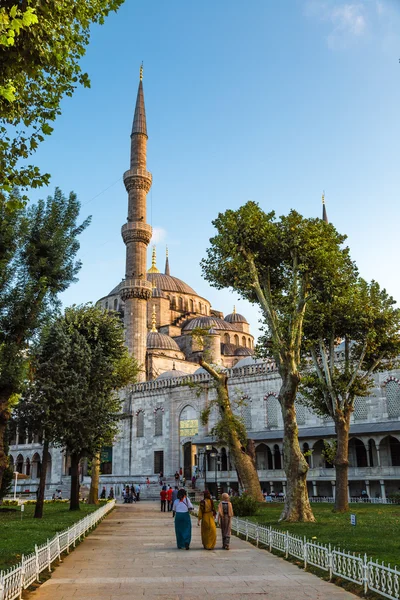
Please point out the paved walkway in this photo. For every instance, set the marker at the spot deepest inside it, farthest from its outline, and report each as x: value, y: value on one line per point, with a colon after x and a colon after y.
x: 133, y: 554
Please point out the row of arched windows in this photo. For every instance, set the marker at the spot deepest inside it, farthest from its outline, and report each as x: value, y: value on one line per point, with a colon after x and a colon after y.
x: 235, y: 340
x: 158, y: 422
x: 183, y: 304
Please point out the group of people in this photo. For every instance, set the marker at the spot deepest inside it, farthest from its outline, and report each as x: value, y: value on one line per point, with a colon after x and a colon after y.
x: 168, y: 497
x: 104, y: 494
x: 131, y: 494
x: 208, y: 516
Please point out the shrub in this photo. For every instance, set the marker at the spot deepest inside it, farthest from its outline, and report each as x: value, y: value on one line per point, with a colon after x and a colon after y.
x: 10, y: 502
x: 395, y: 497
x: 244, y: 506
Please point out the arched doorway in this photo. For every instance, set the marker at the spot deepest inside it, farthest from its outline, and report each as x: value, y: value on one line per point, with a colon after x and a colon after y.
x: 263, y: 458
x: 277, y: 457
x: 188, y: 427
x: 357, y: 453
x: 224, y: 460
x: 19, y: 465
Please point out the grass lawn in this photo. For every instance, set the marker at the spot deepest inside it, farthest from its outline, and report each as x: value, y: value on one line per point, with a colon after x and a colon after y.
x: 377, y: 532
x: 20, y: 536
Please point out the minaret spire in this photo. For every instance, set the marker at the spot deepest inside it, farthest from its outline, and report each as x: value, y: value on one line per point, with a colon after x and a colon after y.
x: 324, y: 213
x: 166, y: 271
x: 135, y: 290
x: 153, y: 268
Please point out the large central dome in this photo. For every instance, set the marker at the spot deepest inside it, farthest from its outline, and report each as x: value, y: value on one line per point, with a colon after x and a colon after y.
x: 167, y: 283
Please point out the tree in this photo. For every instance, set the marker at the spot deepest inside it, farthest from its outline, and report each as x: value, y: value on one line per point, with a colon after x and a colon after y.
x: 365, y: 318
x: 278, y: 265
x: 230, y: 428
x: 38, y: 246
x: 41, y: 44
x: 81, y: 362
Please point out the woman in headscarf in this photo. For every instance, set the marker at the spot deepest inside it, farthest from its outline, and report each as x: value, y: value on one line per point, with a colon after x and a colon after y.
x: 225, y: 514
x: 207, y: 515
x: 183, y: 523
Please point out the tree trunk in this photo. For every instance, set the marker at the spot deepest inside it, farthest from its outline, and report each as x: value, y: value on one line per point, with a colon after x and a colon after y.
x: 341, y: 462
x: 74, y: 500
x: 244, y: 463
x: 297, y: 505
x: 42, y: 482
x: 94, y: 484
x: 4, y: 417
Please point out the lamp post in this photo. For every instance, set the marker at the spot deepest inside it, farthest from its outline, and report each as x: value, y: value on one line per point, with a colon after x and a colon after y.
x: 215, y: 455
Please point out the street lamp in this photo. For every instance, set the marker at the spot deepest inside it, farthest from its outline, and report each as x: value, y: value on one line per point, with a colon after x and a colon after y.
x: 215, y: 455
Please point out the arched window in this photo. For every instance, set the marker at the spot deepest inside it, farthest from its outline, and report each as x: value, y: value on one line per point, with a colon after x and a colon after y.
x: 243, y: 341
x: 360, y: 409
x: 224, y: 460
x: 227, y: 339
x: 272, y: 410
x: 200, y: 308
x: 277, y: 457
x: 36, y: 466
x: 236, y: 338
x: 191, y: 305
x: 306, y: 450
x: 116, y: 304
x: 27, y: 467
x: 140, y: 424
x: 393, y: 399
x: 188, y: 422
x: 20, y: 463
x: 180, y: 300
x: 245, y: 412
x: 263, y: 458
x: 300, y: 413
x: 158, y: 421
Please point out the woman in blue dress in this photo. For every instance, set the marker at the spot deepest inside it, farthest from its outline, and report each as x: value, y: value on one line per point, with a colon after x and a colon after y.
x: 183, y: 522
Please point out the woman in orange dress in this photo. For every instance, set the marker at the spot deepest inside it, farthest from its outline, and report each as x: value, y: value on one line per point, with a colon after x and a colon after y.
x: 207, y: 515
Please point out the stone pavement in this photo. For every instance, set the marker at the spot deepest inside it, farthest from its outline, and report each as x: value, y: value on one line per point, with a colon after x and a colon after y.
x: 133, y: 554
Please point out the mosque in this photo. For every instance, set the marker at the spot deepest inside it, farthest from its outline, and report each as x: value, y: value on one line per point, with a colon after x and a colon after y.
x: 161, y: 429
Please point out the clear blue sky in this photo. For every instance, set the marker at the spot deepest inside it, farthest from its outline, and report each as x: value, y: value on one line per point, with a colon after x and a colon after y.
x: 261, y: 100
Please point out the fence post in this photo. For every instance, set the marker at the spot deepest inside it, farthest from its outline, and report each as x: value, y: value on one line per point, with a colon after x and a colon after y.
x: 59, y: 547
x: 37, y: 563
x: 48, y: 556
x: 1, y: 586
x: 270, y: 538
x: 287, y: 544
x: 68, y: 542
x: 330, y: 561
x: 365, y: 573
x: 247, y: 530
x: 257, y: 535
x: 305, y: 553
x: 74, y: 534
x: 21, y: 584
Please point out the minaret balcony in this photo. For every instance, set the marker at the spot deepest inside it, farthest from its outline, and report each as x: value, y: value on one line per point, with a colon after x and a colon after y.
x: 138, y: 178
x: 136, y: 288
x: 136, y: 231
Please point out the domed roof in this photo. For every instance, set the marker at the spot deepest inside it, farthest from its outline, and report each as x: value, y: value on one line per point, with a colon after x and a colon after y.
x: 244, y: 352
x: 207, y: 323
x: 171, y: 374
x: 249, y: 361
x: 161, y: 341
x: 167, y: 283
x: 228, y: 349
x: 114, y: 291
x: 157, y: 293
x: 235, y: 318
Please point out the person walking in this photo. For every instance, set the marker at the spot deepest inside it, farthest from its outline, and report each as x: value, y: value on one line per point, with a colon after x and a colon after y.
x: 176, y: 478
x: 225, y: 514
x: 183, y: 523
x: 174, y: 494
x: 169, y: 498
x: 163, y: 497
x: 207, y: 514
x: 137, y: 490
x: 194, y: 482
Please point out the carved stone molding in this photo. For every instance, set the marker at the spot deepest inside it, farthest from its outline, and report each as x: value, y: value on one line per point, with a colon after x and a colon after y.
x: 137, y: 179
x: 135, y: 288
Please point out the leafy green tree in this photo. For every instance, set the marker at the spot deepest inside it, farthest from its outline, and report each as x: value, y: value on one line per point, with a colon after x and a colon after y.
x: 367, y: 321
x: 278, y: 265
x: 38, y: 246
x: 80, y: 364
x: 41, y: 45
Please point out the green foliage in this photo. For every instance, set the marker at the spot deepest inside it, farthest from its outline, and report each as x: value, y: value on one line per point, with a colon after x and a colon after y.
x: 41, y: 45
x: 244, y: 505
x: 79, y: 364
x: 395, y: 497
x: 329, y: 451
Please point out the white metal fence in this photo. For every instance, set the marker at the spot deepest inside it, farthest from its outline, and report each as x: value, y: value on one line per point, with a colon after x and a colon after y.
x: 370, y: 575
x: 20, y: 576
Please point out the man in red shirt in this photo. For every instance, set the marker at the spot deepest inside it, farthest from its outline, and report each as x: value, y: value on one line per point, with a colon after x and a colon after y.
x: 169, y: 498
x: 163, y: 496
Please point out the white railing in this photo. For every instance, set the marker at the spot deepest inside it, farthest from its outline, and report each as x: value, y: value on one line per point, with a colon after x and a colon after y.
x: 20, y: 576
x: 370, y: 575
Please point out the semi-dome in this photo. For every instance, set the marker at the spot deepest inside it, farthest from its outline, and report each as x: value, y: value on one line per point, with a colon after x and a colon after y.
x: 228, y: 349
x: 160, y: 341
x: 171, y: 374
x: 157, y: 293
x: 208, y: 323
x: 242, y: 351
x: 249, y: 361
x: 167, y: 283
x: 235, y: 318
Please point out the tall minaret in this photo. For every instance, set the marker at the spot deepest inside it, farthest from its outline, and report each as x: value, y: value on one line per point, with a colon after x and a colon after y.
x: 135, y: 290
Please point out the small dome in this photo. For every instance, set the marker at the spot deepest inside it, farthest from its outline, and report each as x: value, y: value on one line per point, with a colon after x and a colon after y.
x: 208, y: 323
x: 244, y: 352
x: 160, y: 341
x: 249, y: 361
x: 228, y: 349
x: 212, y: 331
x: 202, y: 371
x: 235, y: 318
x: 171, y: 374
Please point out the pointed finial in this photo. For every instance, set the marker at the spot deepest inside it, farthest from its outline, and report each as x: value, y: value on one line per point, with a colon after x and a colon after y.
x: 324, y: 213
x: 153, y: 320
x: 153, y: 268
x: 323, y: 197
x: 166, y: 251
x: 234, y: 309
x: 166, y: 270
x: 141, y: 72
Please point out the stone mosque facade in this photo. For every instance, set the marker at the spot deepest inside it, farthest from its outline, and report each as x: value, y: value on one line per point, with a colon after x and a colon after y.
x: 161, y: 428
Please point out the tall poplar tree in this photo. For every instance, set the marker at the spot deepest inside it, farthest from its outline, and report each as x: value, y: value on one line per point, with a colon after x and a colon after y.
x: 279, y: 265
